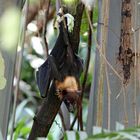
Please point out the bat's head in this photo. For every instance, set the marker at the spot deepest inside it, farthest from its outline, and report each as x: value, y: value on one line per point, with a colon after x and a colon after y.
x: 68, y: 91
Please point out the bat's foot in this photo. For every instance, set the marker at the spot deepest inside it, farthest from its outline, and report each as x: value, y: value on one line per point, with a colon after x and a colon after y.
x: 59, y: 94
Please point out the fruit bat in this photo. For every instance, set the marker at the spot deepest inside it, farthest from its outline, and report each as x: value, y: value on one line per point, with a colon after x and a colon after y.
x: 63, y: 67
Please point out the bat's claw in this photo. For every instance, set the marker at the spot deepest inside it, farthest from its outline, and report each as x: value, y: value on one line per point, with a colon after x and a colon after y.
x: 59, y: 94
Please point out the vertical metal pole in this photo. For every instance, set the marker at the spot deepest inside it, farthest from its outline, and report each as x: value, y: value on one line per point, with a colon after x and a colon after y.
x: 92, y: 109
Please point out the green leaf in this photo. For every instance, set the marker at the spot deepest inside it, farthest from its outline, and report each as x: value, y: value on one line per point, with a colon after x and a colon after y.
x: 104, y: 135
x: 25, y: 131
x: 77, y: 136
x: 50, y: 137
x: 18, y: 128
x: 65, y: 136
x: 95, y: 14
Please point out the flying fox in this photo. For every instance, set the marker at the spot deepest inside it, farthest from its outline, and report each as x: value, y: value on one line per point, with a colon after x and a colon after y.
x: 63, y: 67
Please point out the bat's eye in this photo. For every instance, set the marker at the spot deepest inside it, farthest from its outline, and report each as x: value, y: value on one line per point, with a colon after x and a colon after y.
x: 58, y: 91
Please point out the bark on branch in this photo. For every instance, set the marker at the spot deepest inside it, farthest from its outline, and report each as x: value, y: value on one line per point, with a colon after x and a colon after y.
x: 74, y: 37
x: 46, y: 115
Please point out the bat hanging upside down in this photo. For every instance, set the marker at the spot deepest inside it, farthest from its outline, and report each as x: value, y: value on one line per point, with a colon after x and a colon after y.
x: 63, y: 68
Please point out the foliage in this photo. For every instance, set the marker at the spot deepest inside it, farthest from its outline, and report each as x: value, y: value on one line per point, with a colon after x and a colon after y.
x: 126, y: 134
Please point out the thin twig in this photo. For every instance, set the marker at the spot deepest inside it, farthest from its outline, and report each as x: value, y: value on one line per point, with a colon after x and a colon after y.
x: 21, y: 45
x: 100, y: 94
x: 58, y: 5
x: 123, y: 91
x: 59, y: 126
x: 99, y: 49
x: 135, y: 65
x: 73, y: 122
x: 109, y: 98
x: 62, y: 119
x: 45, y: 25
x: 88, y: 56
x: 87, y: 64
x: 112, y: 30
x: 124, y: 106
x: 118, y: 95
x: 80, y: 120
x: 135, y: 83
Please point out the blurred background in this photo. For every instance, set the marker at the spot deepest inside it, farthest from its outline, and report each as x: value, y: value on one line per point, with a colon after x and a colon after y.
x: 28, y: 32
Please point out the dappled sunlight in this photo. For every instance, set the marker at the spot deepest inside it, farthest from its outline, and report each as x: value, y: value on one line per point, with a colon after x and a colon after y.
x: 9, y: 28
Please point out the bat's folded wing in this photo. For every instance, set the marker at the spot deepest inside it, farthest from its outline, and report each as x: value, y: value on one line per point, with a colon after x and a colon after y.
x: 46, y: 73
x: 43, y: 76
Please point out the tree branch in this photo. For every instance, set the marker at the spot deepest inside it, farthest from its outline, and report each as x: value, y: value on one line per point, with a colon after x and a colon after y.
x: 46, y: 115
x: 75, y: 36
x: 87, y: 66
